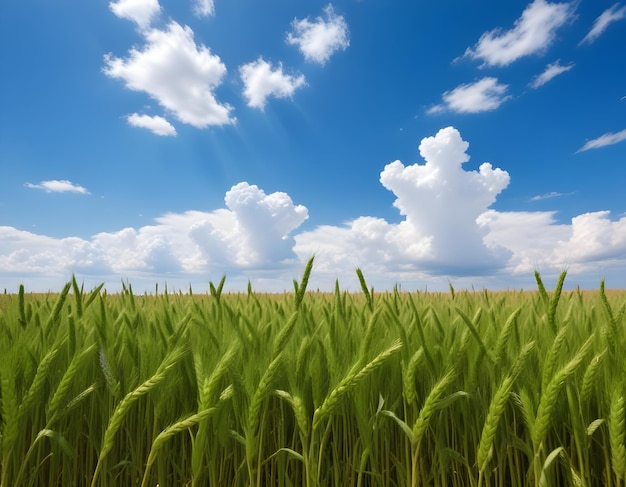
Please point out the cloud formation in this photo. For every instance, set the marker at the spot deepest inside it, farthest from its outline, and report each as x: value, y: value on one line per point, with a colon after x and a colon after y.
x: 532, y: 33
x: 440, y: 202
x: 606, y: 18
x: 604, y: 140
x: 203, y: 8
x: 155, y: 124
x: 595, y: 238
x: 546, y: 196
x: 551, y: 71
x: 253, y: 231
x: 142, y: 12
x: 182, y: 75
x: 261, y: 81
x: 58, y: 186
x: 591, y: 243
x: 530, y: 237
x: 449, y: 230
x: 176, y: 72
x: 483, y: 95
x: 321, y: 38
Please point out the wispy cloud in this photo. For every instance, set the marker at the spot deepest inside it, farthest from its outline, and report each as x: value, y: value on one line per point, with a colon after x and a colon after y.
x: 156, y: 124
x: 261, y: 80
x: 546, y: 196
x: 532, y: 33
x: 604, y: 140
x: 480, y: 96
x: 551, y: 71
x: 204, y: 8
x: 321, y: 38
x: 606, y: 18
x: 58, y: 186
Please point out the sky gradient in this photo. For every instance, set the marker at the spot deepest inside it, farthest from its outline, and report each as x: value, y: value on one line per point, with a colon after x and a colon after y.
x: 149, y: 141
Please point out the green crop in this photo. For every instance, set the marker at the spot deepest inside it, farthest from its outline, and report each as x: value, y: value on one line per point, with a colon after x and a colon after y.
x: 464, y: 388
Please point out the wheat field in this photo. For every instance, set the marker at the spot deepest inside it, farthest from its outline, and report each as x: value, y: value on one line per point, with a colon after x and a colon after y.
x: 465, y: 388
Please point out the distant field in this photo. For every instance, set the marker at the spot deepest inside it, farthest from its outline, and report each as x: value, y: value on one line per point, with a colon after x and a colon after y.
x: 316, y: 389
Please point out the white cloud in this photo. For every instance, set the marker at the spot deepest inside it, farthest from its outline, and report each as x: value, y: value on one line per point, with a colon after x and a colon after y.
x: 180, y: 74
x: 156, y: 124
x: 440, y: 202
x: 532, y: 33
x: 546, y: 196
x: 319, y: 39
x: 604, y: 140
x: 142, y: 12
x: 204, y: 8
x: 25, y: 253
x: 480, y: 96
x: 595, y: 238
x: 591, y: 244
x: 58, y: 186
x: 252, y: 232
x: 449, y: 230
x: 261, y: 81
x: 149, y: 249
x: 606, y: 18
x: 531, y: 237
x: 551, y: 71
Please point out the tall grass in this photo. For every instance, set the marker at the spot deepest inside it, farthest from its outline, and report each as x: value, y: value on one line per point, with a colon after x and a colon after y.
x: 305, y: 388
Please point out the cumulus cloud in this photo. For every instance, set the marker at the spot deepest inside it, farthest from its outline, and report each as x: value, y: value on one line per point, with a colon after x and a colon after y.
x: 604, y: 140
x: 551, y: 71
x: 321, y: 38
x: 592, y: 242
x: 204, y: 8
x: 156, y: 124
x: 58, y: 186
x: 252, y: 232
x: 595, y: 238
x: 148, y: 249
x: 448, y: 230
x: 261, y: 81
x: 26, y: 253
x: 483, y: 95
x: 606, y: 18
x: 530, y: 237
x: 178, y: 73
x: 532, y: 33
x: 382, y: 249
x: 441, y: 203
x: 142, y: 12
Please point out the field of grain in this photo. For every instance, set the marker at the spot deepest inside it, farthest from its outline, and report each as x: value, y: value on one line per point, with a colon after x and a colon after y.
x: 313, y: 389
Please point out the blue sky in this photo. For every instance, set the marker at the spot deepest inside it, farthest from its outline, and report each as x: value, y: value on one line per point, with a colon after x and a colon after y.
x: 177, y: 141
